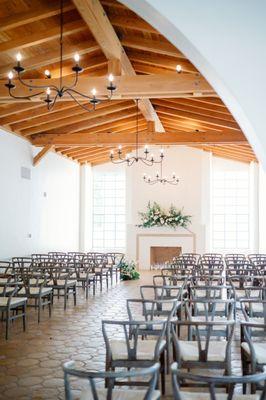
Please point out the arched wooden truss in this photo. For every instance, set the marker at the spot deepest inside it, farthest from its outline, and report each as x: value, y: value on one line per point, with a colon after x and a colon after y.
x: 176, y: 108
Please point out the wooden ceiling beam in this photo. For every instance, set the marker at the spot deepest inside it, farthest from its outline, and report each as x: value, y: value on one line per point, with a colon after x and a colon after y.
x: 33, y: 114
x: 190, y: 108
x: 104, y: 33
x: 11, y: 109
x: 197, y: 117
x: 61, y: 116
x: 154, y: 46
x: 131, y: 22
x: 40, y: 37
x: 95, y: 122
x: 128, y: 87
x: 126, y: 138
x: 200, y: 105
x: 33, y: 15
x: 162, y: 61
x: 53, y: 56
x: 41, y: 154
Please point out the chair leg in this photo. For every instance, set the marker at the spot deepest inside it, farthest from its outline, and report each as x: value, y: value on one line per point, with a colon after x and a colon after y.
x: 24, y: 317
x: 87, y: 290
x: 39, y: 309
x: 75, y: 295
x: 65, y: 298
x: 162, y: 371
x: 50, y: 304
x: 7, y: 323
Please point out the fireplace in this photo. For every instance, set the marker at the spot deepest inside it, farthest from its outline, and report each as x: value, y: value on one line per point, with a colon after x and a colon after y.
x: 162, y: 254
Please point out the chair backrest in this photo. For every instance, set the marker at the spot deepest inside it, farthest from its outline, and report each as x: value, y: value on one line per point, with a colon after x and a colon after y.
x: 165, y: 292
x: 129, y: 333
x: 253, y: 308
x: 214, y: 381
x: 203, y: 332
x: 235, y: 260
x: 6, y: 267
x: 250, y: 331
x: 257, y: 259
x: 150, y: 310
x: 95, y: 391
x: 169, y: 280
x: 210, y: 309
x: 211, y: 292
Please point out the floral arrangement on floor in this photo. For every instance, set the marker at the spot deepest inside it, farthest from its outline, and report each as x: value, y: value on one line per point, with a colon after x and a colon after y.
x: 128, y: 271
x: 157, y: 216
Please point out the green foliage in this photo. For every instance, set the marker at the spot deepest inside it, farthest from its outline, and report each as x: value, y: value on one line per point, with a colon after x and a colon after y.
x: 157, y: 216
x: 128, y: 271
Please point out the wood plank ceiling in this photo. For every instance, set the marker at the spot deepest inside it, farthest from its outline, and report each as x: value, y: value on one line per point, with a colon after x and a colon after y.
x: 194, y: 117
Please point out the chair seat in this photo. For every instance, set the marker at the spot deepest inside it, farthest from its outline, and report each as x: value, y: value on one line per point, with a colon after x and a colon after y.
x: 3, y: 280
x: 189, y: 350
x: 15, y: 301
x: 83, y: 275
x: 145, y: 349
x: 256, y: 307
x: 34, y: 291
x: 260, y: 351
x: 8, y: 290
x: 219, y: 396
x: 62, y: 282
x: 119, y: 394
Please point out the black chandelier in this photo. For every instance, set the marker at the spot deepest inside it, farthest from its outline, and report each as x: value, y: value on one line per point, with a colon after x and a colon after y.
x: 159, y: 178
x: 129, y: 160
x: 53, y: 93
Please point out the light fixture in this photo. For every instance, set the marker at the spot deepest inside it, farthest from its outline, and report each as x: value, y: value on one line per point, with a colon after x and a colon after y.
x: 52, y: 92
x: 129, y: 160
x: 159, y: 178
x: 178, y: 68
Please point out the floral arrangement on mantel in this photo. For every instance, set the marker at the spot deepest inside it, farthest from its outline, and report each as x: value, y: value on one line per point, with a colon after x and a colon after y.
x: 157, y: 216
x: 128, y: 270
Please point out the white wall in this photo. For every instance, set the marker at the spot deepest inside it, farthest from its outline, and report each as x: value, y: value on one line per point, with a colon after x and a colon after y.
x: 46, y: 207
x: 192, y: 193
x: 262, y: 210
x: 225, y: 40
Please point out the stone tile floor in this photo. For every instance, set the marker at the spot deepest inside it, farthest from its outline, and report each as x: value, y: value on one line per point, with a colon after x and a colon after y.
x: 31, y: 361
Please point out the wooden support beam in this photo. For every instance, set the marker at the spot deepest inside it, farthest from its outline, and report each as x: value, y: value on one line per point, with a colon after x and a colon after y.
x: 40, y: 37
x: 33, y: 15
x: 83, y: 121
x: 128, y: 87
x: 126, y: 138
x: 61, y: 116
x: 114, y: 67
x: 104, y: 33
x: 126, y: 21
x: 41, y: 154
x: 154, y: 46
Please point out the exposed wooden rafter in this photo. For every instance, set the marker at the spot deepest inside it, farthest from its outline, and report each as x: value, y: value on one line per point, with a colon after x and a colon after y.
x: 104, y: 33
x: 41, y: 154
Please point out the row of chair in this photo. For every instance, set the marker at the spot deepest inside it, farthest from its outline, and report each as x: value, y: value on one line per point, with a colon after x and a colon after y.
x: 35, y: 281
x: 185, y: 324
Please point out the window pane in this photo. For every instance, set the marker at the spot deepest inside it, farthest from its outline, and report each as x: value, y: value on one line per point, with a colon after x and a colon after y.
x: 230, y: 210
x: 109, y: 211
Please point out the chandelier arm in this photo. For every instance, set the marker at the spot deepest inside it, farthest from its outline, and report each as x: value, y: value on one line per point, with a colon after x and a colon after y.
x: 50, y: 106
x: 118, y: 161
x: 53, y: 87
x: 80, y: 94
x: 23, y: 97
x: 149, y: 163
x: 74, y: 83
x: 81, y: 105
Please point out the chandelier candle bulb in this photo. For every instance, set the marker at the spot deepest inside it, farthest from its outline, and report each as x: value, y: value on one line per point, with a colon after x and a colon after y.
x: 111, y: 78
x: 48, y: 91
x: 19, y: 57
x: 178, y: 69
x: 10, y: 75
x: 76, y: 57
x: 47, y: 73
x: 93, y: 92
